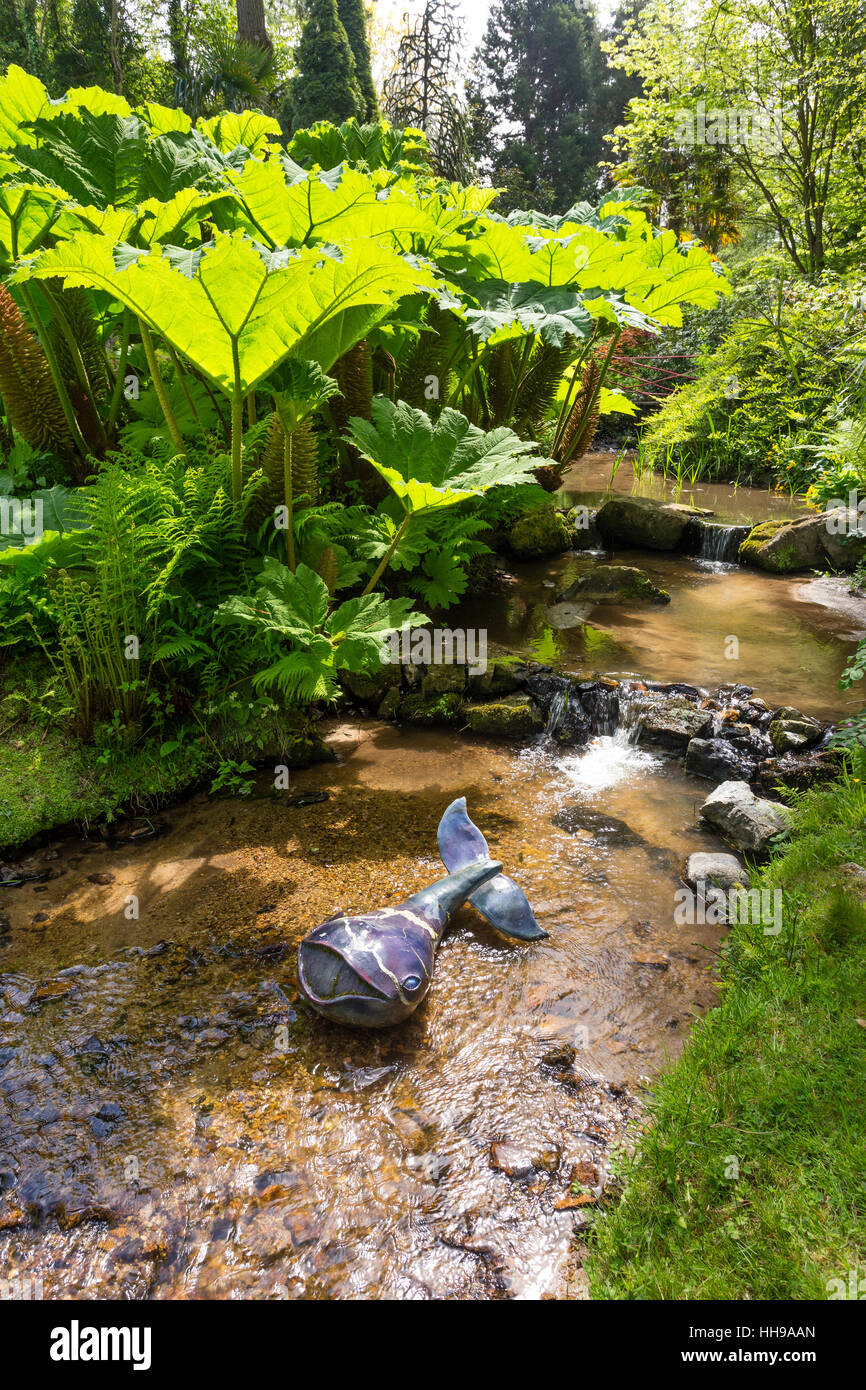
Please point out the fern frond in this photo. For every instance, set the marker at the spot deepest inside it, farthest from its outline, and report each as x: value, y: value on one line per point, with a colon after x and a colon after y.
x: 299, y: 678
x: 538, y: 389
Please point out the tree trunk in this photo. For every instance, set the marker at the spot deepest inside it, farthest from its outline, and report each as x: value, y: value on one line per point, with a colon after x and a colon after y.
x: 251, y: 23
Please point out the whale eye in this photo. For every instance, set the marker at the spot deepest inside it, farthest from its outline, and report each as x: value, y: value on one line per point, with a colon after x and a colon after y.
x: 411, y: 983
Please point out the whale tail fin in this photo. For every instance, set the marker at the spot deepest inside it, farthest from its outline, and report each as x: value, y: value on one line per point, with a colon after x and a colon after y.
x: 442, y: 898
x: 499, y: 899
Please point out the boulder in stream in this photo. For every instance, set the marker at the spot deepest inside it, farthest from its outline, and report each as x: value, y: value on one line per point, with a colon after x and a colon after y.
x: 790, y: 730
x: 719, y: 870
x: 431, y: 709
x: 613, y: 584
x: 370, y: 687
x: 718, y: 759
x: 783, y: 547
x: 500, y: 678
x: 645, y: 523
x: 799, y: 773
x: 513, y: 717
x: 743, y: 819
x: 543, y: 531
x: 671, y: 721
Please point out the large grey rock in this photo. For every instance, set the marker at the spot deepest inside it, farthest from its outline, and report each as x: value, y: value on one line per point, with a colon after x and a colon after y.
x: 746, y: 821
x: 719, y: 870
x: 645, y: 523
x: 671, y: 722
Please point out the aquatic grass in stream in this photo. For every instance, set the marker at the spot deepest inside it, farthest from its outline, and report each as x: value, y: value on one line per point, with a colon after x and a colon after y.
x: 750, y: 1181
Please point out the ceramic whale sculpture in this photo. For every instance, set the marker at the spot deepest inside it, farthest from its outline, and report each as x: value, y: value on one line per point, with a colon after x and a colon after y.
x: 373, y: 970
x: 499, y: 900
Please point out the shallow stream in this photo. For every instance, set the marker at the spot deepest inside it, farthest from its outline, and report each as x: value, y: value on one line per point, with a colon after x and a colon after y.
x: 175, y: 1123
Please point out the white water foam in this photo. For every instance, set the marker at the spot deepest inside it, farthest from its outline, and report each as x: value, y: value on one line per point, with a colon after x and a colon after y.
x: 607, y: 761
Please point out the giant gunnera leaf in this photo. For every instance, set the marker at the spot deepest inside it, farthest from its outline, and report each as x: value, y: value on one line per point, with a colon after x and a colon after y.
x: 235, y: 308
x: 437, y: 463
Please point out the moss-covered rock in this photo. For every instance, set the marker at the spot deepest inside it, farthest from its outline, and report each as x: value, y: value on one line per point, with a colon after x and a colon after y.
x: 614, y: 584
x: 543, y: 531
x: 500, y: 678
x: 439, y: 680
x: 799, y: 773
x: 844, y: 550
x: 783, y: 547
x: 790, y: 731
x: 390, y: 706
x: 513, y: 717
x: 430, y: 710
x: 370, y: 687
x: 645, y: 523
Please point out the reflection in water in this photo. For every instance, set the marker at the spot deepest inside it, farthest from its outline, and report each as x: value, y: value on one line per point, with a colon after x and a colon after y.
x: 794, y: 634
x: 588, y: 480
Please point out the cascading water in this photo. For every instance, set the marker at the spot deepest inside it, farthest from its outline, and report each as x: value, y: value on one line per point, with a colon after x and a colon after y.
x: 630, y: 722
x: 612, y: 757
x: 556, y: 714
x: 721, y: 544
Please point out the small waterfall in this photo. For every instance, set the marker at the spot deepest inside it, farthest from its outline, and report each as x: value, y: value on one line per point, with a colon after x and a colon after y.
x: 612, y: 756
x: 556, y: 713
x: 631, y: 711
x: 721, y: 543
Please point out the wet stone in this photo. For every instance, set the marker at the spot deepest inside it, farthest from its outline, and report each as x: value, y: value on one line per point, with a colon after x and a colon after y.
x: 511, y: 1160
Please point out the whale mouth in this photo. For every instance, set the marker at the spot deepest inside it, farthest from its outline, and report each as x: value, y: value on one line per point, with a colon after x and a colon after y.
x: 326, y: 977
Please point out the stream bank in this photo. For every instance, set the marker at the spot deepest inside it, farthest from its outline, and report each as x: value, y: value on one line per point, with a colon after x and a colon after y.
x: 749, y: 1181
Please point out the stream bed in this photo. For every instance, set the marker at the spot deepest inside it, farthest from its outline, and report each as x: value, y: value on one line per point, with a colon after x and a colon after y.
x: 175, y: 1123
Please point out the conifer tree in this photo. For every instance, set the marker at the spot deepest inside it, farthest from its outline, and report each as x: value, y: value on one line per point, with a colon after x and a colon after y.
x: 326, y: 85
x: 354, y: 20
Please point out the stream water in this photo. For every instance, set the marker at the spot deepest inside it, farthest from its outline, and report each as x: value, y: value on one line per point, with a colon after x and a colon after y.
x: 175, y: 1123
x: 794, y: 634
